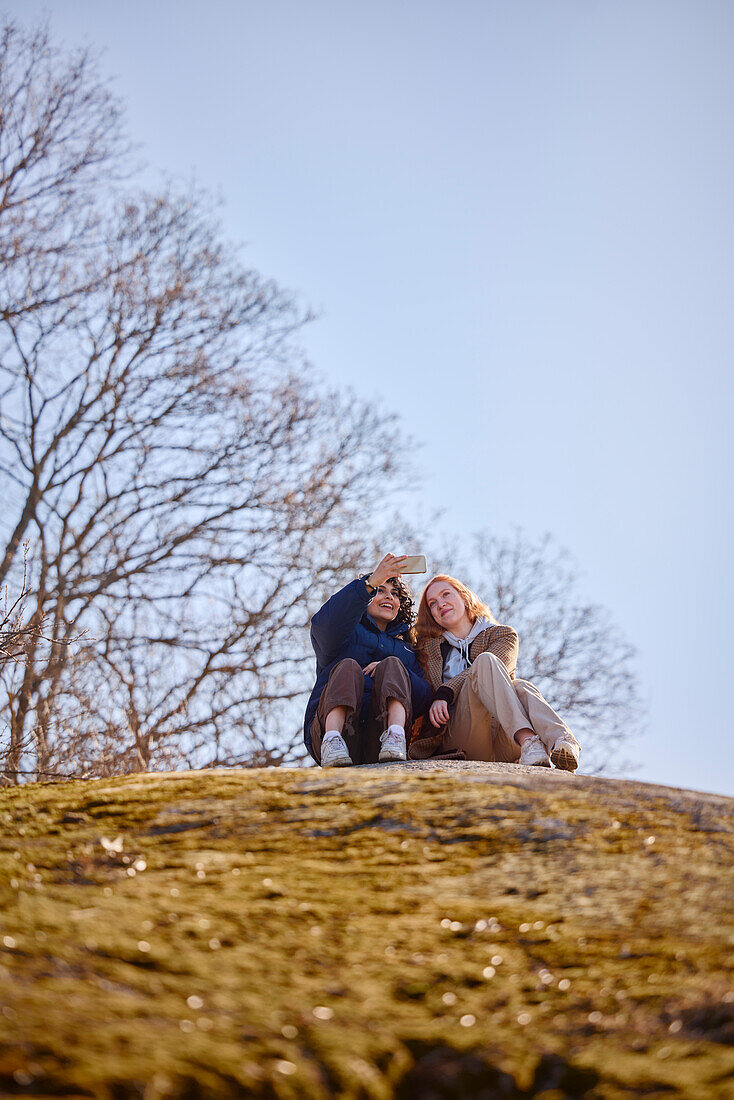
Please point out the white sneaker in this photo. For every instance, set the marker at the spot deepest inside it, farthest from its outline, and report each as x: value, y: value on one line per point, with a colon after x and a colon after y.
x: 393, y: 744
x: 565, y: 754
x: 334, y: 752
x: 533, y: 752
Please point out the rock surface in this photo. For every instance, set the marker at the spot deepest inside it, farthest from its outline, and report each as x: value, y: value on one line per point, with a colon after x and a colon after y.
x: 420, y: 930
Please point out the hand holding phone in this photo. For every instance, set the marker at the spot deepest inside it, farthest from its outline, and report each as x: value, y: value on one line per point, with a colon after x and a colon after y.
x: 392, y: 566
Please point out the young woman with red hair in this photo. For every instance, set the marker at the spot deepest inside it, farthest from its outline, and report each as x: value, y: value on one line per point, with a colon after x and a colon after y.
x: 480, y: 709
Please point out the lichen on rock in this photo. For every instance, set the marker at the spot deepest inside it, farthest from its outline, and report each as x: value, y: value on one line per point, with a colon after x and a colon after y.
x: 404, y: 930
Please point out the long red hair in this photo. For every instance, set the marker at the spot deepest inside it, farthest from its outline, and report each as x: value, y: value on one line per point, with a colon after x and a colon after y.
x: 426, y: 626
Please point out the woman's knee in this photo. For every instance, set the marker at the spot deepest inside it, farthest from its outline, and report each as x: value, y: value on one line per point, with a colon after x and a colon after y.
x: 347, y: 666
x: 392, y: 669
x: 347, y: 672
x: 487, y: 658
x: 392, y: 664
x: 485, y: 662
x: 391, y: 681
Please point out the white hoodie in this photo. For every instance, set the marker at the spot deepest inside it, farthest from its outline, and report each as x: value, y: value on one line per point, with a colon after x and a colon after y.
x: 457, y: 658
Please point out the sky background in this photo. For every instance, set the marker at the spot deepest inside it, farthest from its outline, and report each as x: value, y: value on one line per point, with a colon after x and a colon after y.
x: 515, y: 222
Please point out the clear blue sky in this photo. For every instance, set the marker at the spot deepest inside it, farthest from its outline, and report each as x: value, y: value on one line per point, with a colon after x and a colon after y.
x: 514, y: 218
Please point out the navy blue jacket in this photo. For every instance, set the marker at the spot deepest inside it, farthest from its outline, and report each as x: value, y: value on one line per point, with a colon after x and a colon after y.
x: 342, y: 628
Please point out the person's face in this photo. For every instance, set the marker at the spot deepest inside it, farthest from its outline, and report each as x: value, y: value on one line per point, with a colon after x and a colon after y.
x: 445, y: 605
x: 384, y: 606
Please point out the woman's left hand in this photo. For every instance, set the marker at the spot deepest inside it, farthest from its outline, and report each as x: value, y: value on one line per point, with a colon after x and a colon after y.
x: 387, y: 568
x: 439, y: 713
x: 369, y: 670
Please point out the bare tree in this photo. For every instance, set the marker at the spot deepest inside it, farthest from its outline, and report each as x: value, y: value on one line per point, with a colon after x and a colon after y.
x: 188, y: 493
x: 15, y: 630
x: 181, y: 480
x: 20, y: 635
x: 61, y: 144
x: 569, y: 648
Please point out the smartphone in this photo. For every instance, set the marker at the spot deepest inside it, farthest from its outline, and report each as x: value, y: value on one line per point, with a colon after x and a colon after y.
x: 415, y: 563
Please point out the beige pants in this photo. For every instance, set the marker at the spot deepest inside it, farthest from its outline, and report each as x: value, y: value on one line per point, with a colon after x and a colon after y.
x: 488, y: 693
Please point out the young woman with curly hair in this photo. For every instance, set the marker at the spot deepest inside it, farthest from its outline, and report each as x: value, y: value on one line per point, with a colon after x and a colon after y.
x: 480, y: 710
x: 369, y: 685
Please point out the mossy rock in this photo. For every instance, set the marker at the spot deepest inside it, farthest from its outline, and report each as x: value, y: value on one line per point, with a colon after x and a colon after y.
x: 434, y: 930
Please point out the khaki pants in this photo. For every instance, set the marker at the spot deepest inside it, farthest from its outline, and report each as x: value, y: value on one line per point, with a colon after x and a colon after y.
x: 491, y: 708
x: 345, y: 688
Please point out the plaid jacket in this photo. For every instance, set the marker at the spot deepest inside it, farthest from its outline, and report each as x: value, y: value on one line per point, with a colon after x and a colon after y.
x: 502, y: 640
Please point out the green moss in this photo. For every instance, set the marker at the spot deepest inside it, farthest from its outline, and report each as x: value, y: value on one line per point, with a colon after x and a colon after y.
x: 299, y: 933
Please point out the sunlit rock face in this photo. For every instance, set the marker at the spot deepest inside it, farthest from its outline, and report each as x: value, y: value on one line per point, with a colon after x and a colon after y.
x: 419, y: 930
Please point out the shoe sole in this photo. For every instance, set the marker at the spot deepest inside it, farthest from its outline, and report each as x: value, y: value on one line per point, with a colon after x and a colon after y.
x: 340, y: 762
x: 390, y: 757
x: 537, y: 763
x: 564, y: 759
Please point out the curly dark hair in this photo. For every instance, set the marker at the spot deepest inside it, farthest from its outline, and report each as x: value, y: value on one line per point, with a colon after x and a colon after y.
x: 406, y: 613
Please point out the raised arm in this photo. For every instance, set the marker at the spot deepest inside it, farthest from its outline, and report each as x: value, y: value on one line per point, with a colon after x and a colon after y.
x: 334, y: 622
